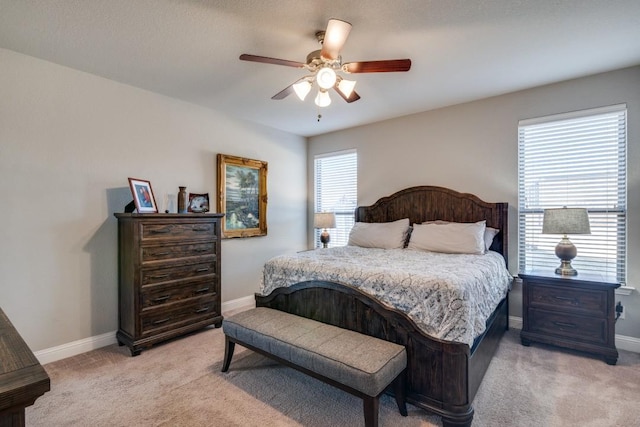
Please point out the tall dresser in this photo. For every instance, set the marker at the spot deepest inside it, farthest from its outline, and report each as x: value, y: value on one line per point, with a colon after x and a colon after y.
x: 169, y: 276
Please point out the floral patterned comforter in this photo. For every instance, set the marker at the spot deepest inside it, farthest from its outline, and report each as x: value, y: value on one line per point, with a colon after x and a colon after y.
x: 448, y: 296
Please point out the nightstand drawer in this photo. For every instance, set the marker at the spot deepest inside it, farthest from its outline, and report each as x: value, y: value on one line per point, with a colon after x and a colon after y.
x: 588, y: 329
x: 568, y: 299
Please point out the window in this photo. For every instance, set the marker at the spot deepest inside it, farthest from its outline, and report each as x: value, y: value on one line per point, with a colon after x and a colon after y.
x: 336, y: 188
x: 575, y: 160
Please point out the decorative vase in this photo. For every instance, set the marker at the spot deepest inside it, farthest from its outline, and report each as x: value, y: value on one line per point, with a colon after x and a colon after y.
x: 182, y: 200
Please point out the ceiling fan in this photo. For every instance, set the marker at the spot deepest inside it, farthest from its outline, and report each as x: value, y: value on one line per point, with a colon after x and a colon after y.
x: 324, y: 63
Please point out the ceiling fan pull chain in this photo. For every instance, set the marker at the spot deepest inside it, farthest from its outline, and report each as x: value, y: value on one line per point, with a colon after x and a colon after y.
x: 319, y: 115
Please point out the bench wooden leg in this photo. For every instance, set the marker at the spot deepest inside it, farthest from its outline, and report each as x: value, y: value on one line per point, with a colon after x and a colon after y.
x: 400, y: 389
x: 371, y: 406
x: 229, y: 346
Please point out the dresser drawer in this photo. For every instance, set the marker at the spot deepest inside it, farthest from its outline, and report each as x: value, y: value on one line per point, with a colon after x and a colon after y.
x: 581, y: 328
x: 568, y: 299
x: 165, y: 252
x: 167, y: 274
x: 157, y: 321
x: 156, y: 295
x: 154, y: 230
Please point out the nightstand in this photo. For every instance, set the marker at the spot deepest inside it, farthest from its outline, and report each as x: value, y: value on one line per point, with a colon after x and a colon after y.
x: 576, y: 312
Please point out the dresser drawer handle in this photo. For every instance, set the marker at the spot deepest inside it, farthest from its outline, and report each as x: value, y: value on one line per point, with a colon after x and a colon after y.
x: 201, y: 290
x: 200, y: 229
x: 162, y: 298
x: 571, y: 300
x: 163, y: 231
x: 158, y: 322
x: 565, y: 325
x: 202, y: 310
x: 162, y: 253
x: 202, y: 249
x: 162, y: 276
x: 200, y: 270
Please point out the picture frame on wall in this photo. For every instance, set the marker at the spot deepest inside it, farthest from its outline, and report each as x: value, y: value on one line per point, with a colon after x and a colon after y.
x: 242, y: 196
x: 143, y: 195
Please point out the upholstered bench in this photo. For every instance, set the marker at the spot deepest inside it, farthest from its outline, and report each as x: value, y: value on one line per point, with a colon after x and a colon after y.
x: 358, y: 364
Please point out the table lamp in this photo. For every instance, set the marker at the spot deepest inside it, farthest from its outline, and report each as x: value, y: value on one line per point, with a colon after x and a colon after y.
x: 324, y: 220
x: 566, y: 221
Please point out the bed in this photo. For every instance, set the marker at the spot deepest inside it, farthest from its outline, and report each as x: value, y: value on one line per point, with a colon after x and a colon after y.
x: 445, y: 365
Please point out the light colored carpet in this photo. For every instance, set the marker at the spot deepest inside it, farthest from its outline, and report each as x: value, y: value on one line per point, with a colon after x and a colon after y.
x: 179, y: 383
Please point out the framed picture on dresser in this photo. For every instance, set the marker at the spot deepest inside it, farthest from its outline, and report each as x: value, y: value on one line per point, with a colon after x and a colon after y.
x: 143, y: 195
x: 242, y: 196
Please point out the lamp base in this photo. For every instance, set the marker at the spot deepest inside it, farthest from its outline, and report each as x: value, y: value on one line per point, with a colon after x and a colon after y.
x: 325, y: 238
x: 566, y: 269
x: 566, y: 251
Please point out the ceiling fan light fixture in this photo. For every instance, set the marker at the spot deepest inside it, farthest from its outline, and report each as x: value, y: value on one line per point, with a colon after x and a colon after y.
x: 302, y: 89
x: 326, y: 78
x: 323, y: 99
x: 346, y: 87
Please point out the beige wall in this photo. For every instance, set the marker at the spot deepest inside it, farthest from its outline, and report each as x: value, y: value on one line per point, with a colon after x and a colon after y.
x: 472, y: 148
x: 68, y: 142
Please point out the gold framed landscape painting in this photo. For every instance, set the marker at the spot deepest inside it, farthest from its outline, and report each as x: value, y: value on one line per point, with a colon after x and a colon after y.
x: 242, y: 196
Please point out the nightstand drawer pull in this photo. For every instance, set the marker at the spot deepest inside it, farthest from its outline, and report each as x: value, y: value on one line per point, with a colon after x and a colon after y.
x: 200, y: 229
x: 565, y: 325
x: 162, y: 253
x: 201, y: 290
x: 200, y: 270
x: 162, y: 298
x: 165, y: 320
x: 202, y: 310
x: 161, y: 276
x: 571, y: 300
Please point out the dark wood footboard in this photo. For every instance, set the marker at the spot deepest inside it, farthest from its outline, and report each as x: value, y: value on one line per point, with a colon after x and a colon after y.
x: 443, y: 376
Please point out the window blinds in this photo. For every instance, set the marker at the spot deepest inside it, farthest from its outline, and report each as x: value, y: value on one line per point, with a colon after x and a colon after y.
x: 574, y: 160
x: 336, y: 190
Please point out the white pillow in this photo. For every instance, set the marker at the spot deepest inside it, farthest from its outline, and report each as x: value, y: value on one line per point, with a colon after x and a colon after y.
x: 451, y: 238
x: 489, y: 232
x: 383, y: 235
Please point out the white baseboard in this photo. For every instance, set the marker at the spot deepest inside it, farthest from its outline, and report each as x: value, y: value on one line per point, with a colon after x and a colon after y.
x: 244, y: 302
x: 623, y: 342
x: 74, y: 348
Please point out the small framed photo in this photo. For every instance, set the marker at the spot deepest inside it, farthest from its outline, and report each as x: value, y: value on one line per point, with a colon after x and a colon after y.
x: 143, y: 196
x: 198, y: 203
x: 242, y: 196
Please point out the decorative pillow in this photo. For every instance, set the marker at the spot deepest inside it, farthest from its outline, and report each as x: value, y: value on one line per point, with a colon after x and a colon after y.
x: 489, y: 232
x: 451, y: 238
x: 383, y: 235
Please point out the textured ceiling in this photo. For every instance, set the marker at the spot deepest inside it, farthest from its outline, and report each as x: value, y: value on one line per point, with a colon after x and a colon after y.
x: 461, y: 49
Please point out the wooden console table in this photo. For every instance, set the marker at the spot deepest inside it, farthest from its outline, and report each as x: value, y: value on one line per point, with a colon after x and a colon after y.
x: 22, y: 378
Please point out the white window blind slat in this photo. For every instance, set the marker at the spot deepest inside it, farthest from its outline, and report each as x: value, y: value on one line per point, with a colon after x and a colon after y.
x: 576, y: 159
x: 336, y: 190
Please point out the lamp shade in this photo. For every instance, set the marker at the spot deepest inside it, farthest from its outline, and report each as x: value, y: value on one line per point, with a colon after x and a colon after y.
x: 566, y: 221
x: 324, y: 220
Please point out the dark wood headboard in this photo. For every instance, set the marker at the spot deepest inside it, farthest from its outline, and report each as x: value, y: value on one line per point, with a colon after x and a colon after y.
x: 429, y: 203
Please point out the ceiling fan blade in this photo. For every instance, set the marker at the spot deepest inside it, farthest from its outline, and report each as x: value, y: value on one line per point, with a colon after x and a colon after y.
x: 387, y: 66
x: 267, y: 60
x: 287, y: 90
x: 351, y: 98
x: 284, y: 92
x: 334, y: 38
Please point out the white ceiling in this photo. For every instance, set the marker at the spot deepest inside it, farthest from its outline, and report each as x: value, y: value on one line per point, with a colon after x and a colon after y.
x: 461, y: 49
